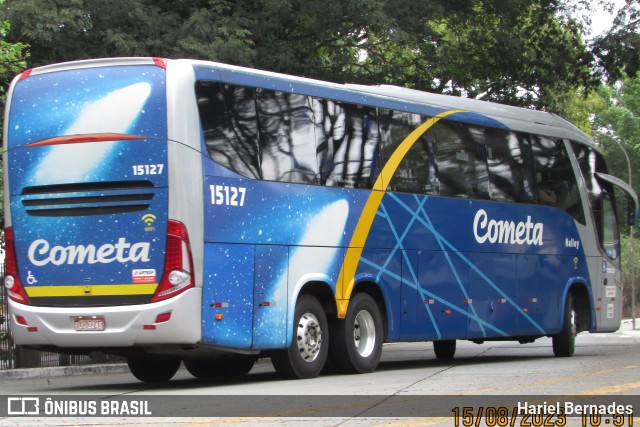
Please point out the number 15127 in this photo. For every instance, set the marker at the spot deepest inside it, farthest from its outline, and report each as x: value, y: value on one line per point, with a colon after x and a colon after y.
x: 227, y: 195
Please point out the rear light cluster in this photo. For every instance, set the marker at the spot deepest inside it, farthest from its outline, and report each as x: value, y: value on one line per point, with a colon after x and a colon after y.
x: 161, y: 62
x: 176, y: 278
x: 178, y: 264
x: 11, y: 279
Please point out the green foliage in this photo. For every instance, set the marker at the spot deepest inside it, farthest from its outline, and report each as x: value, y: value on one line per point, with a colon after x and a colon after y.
x: 578, y: 106
x: 519, y: 55
x: 12, y: 61
x: 618, y: 51
x: 519, y: 52
x: 66, y: 30
x: 616, y: 126
x: 630, y: 272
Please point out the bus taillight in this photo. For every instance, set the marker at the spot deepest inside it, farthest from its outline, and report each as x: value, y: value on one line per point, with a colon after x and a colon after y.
x: 178, y: 263
x: 11, y: 279
x: 25, y: 73
x: 160, y: 62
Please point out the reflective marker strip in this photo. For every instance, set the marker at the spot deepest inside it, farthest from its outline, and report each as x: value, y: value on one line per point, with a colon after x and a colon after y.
x: 91, y: 290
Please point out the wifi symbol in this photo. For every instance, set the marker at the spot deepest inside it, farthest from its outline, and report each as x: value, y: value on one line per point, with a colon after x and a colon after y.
x: 148, y: 219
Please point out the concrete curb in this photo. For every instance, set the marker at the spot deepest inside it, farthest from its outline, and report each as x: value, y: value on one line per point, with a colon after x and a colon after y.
x: 63, y: 371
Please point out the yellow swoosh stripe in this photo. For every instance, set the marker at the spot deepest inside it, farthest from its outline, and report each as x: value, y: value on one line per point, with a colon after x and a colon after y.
x: 346, y: 278
x: 91, y: 290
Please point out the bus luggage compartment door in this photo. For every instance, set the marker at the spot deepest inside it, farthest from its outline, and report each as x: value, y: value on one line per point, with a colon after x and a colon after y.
x: 227, y: 295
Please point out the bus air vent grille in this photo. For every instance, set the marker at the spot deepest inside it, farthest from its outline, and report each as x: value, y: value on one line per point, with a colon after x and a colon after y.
x: 85, y: 199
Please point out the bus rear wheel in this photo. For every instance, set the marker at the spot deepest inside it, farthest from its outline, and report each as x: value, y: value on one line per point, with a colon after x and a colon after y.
x: 564, y: 343
x: 308, y: 351
x: 227, y: 366
x: 444, y: 350
x: 356, y: 344
x: 153, y: 369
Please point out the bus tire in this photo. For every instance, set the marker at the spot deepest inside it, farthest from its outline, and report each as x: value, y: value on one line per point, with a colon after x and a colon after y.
x: 445, y: 349
x: 307, y: 354
x: 153, y: 369
x: 564, y: 341
x: 356, y: 344
x: 227, y: 366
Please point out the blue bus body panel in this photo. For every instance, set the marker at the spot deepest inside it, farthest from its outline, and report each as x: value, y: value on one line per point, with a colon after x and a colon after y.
x: 442, y: 291
x: 448, y: 268
x: 107, y: 199
x: 439, y: 282
x: 270, y: 302
x: 228, y: 283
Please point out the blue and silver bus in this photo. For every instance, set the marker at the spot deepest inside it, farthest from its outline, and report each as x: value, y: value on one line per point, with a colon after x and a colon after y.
x: 177, y: 211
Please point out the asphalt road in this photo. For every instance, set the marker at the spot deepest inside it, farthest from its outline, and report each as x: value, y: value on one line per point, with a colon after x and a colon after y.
x: 410, y: 387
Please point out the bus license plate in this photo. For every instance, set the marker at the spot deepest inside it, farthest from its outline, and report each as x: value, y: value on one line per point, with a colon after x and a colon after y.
x: 91, y: 323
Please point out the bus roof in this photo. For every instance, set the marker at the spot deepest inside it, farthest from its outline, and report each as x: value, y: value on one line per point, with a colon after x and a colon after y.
x: 384, y: 96
x: 515, y: 118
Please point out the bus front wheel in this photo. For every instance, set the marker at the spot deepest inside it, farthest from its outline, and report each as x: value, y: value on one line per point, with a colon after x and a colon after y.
x: 356, y: 344
x: 153, y: 369
x: 564, y: 342
x: 308, y: 351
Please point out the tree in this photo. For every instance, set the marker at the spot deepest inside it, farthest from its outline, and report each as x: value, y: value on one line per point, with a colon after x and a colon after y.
x: 13, y: 58
x: 618, y: 51
x: 615, y: 125
x: 522, y: 52
x: 66, y: 30
x: 518, y: 53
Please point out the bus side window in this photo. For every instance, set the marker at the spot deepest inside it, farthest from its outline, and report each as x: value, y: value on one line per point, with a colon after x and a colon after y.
x: 287, y: 137
x: 346, y: 143
x: 509, y: 167
x: 461, y: 168
x: 555, y: 178
x: 228, y: 120
x: 590, y: 162
x: 416, y: 172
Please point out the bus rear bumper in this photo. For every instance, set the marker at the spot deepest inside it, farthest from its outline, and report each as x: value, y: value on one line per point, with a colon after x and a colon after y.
x: 125, y: 326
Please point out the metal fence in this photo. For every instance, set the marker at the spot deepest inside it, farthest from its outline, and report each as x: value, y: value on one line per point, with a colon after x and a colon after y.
x: 12, y: 356
x: 7, y: 349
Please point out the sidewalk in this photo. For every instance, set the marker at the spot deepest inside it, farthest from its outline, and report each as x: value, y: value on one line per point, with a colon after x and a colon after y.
x: 63, y: 371
x: 626, y: 326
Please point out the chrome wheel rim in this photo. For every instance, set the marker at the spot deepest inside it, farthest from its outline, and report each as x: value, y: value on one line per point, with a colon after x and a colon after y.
x: 364, y: 333
x: 309, y: 337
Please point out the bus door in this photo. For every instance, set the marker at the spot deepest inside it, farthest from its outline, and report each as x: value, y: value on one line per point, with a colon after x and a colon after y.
x: 609, y: 286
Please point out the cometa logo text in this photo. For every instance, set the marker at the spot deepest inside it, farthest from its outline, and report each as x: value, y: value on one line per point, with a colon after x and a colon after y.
x: 503, y: 231
x: 42, y: 253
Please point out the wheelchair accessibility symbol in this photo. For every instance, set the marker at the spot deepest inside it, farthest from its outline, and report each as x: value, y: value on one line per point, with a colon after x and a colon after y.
x: 31, y: 279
